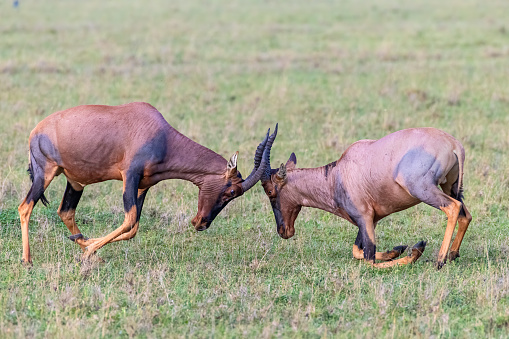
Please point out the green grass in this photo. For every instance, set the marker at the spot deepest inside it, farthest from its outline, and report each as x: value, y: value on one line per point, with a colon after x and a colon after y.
x: 222, y: 73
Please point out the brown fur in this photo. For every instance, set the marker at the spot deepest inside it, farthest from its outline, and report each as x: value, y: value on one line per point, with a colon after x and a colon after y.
x: 135, y: 144
x: 373, y: 179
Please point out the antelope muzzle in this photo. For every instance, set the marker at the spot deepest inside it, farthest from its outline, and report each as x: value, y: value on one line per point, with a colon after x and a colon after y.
x: 200, y: 224
x: 282, y: 230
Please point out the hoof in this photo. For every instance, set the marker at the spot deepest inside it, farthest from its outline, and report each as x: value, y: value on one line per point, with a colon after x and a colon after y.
x: 418, y: 249
x: 453, y: 255
x: 440, y: 264
x: 75, y: 237
x: 89, y: 256
x: 400, y: 249
x: 92, y: 259
x: 26, y: 263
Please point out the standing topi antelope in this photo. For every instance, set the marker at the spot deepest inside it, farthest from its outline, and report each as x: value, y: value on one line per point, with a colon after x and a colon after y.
x: 135, y: 144
x: 375, y: 178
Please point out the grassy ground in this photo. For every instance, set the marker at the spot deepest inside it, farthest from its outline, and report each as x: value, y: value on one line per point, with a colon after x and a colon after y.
x: 330, y: 73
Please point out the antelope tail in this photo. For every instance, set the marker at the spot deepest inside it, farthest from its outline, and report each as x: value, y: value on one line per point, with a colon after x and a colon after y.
x: 30, y: 171
x: 460, y: 155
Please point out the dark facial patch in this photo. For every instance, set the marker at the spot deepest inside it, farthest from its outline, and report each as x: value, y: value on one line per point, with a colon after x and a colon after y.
x: 276, y: 208
x: 221, y: 202
x: 272, y: 193
x: 217, y: 207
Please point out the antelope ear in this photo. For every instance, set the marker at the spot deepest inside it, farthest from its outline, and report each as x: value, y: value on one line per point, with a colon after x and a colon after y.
x: 281, y: 176
x: 231, y: 167
x: 292, y: 162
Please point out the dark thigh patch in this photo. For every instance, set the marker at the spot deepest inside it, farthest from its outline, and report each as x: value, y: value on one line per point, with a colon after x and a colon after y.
x: 417, y: 165
x: 42, y: 148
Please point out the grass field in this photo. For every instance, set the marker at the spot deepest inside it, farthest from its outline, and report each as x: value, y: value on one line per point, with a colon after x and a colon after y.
x: 223, y: 72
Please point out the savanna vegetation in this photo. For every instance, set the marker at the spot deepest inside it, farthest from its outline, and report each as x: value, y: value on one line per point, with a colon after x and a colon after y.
x: 222, y: 73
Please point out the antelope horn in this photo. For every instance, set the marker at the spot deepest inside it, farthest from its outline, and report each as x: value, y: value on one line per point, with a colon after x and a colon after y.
x: 253, y: 178
x: 259, y: 154
x: 266, y: 172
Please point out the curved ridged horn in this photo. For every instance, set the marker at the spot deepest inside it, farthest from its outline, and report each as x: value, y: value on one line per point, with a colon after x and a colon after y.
x: 266, y: 173
x: 253, y: 178
x: 259, y: 154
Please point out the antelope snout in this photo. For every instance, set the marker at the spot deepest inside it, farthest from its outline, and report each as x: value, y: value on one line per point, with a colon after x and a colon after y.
x: 200, y: 224
x: 285, y: 232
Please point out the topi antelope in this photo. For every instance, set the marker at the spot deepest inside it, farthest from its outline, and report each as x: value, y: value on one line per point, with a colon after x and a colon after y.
x: 135, y: 144
x: 375, y: 178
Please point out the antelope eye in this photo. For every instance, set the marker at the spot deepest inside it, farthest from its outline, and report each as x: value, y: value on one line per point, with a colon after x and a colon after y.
x: 232, y: 193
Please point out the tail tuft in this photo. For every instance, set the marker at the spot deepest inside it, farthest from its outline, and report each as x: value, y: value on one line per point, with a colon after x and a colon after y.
x: 30, y: 171
x: 459, y: 195
x: 44, y: 201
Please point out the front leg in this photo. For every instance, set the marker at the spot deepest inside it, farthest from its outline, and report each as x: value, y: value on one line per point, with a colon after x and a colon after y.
x: 131, y: 183
x: 365, y: 245
x: 85, y: 242
x: 367, y: 236
x: 358, y: 252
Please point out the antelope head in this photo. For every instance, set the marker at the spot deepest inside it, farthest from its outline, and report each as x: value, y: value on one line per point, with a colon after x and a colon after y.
x: 218, y: 190
x: 285, y: 208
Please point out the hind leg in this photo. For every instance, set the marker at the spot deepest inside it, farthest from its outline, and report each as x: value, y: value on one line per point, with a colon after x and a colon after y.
x: 41, y: 180
x: 426, y: 191
x: 451, y: 188
x: 464, y: 220
x: 67, y: 211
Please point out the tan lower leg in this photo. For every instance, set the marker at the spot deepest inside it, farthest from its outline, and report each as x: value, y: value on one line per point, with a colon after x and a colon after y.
x: 125, y: 236
x: 25, y: 210
x: 452, y: 211
x: 128, y: 235
x: 127, y: 225
x: 417, y: 251
x: 463, y: 222
x: 384, y: 256
x: 69, y: 220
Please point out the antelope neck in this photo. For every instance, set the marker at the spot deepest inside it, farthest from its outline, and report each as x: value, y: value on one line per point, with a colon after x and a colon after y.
x: 188, y: 160
x: 309, y: 187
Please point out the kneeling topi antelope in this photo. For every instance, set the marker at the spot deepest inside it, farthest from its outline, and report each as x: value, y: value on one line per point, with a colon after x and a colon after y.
x: 375, y: 178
